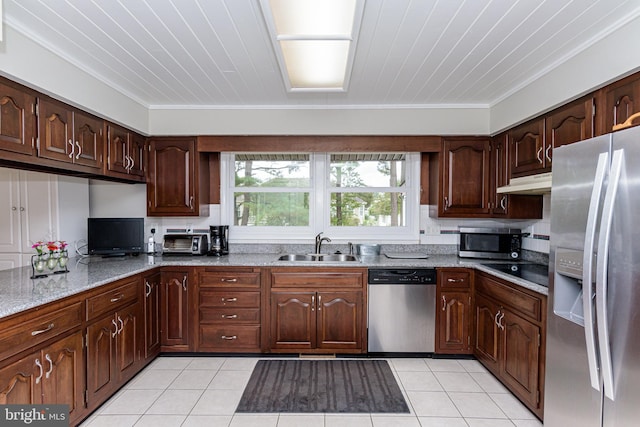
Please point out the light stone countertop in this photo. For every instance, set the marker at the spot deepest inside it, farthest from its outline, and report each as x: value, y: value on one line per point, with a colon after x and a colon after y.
x: 18, y: 292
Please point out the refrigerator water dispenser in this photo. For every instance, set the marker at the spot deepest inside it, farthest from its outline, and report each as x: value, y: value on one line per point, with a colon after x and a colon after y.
x: 567, y: 279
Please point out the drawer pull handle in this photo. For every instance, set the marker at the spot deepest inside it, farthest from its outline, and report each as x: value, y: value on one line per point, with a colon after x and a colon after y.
x: 455, y: 280
x: 234, y: 299
x: 224, y: 279
x: 39, y: 365
x: 117, y: 298
x: 232, y: 337
x: 229, y: 316
x: 48, y: 358
x: 42, y: 331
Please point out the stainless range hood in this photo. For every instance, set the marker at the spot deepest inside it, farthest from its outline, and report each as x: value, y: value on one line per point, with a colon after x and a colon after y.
x: 533, y: 184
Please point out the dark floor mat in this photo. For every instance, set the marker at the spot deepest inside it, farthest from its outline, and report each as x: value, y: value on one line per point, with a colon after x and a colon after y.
x: 322, y: 386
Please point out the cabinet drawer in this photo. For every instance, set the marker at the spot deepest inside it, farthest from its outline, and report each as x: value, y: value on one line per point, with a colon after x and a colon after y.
x: 229, y: 298
x: 229, y: 338
x: 317, y: 279
x: 229, y: 279
x: 528, y: 305
x: 229, y: 315
x: 456, y: 278
x: 112, y: 300
x: 32, y: 332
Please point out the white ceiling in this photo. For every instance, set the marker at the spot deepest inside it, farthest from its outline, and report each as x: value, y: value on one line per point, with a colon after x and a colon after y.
x: 185, y: 53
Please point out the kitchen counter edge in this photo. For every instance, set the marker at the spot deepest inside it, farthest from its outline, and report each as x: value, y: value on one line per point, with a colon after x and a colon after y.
x: 18, y: 292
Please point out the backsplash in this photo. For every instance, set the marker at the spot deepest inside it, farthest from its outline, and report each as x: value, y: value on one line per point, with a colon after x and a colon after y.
x: 436, y: 235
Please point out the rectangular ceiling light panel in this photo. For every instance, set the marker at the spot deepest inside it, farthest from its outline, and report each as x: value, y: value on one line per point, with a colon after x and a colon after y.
x: 314, y: 41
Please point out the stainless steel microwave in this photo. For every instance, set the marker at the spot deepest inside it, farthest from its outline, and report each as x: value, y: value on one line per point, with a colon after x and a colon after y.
x: 493, y: 243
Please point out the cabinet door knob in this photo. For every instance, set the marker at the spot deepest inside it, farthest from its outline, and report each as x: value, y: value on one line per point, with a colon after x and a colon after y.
x: 79, y: 150
x: 539, y: 155
x: 148, y: 287
x: 503, y: 203
x: 73, y: 149
x: 444, y: 303
x: 184, y: 283
x: 547, y: 153
x: 313, y: 303
x: 115, y: 332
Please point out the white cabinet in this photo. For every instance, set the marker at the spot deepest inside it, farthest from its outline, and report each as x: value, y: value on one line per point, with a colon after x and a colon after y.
x: 39, y: 206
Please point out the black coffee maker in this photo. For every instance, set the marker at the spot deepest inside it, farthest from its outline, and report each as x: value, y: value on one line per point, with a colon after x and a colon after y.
x: 218, y: 240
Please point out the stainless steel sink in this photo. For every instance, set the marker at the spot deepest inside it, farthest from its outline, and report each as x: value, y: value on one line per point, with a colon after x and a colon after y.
x: 319, y: 257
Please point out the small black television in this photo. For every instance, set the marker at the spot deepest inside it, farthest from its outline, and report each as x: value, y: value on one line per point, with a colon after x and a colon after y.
x: 115, y: 236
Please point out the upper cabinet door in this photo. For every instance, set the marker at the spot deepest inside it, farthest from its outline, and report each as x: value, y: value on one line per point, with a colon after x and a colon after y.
x: 568, y: 124
x: 465, y: 164
x: 118, y: 159
x: 620, y: 100
x: 18, y: 120
x: 137, y: 154
x: 527, y: 149
x: 171, y: 183
x: 55, y: 131
x: 88, y: 133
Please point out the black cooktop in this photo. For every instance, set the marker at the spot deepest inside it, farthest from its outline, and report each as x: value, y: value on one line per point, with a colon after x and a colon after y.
x: 536, y: 273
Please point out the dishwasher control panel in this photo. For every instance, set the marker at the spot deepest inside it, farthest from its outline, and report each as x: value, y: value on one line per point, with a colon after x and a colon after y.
x: 402, y: 276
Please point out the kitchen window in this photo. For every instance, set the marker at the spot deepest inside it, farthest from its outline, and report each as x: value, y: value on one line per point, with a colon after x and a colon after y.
x: 293, y: 196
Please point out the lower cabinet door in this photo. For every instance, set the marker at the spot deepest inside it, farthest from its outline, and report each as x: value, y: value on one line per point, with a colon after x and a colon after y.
x: 101, y: 346
x: 487, y: 333
x: 128, y: 342
x: 454, y: 313
x: 174, y: 310
x: 339, y: 320
x: 293, y: 320
x: 18, y: 383
x: 63, y: 381
x: 521, y: 349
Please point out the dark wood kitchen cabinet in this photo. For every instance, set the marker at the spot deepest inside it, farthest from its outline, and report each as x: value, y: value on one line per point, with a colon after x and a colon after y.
x: 510, y: 329
x: 152, y: 284
x: 229, y: 309
x: 527, y: 149
x: 42, y: 357
x: 175, y: 306
x: 18, y: 124
x: 568, y: 124
x: 508, y: 206
x: 52, y: 375
x: 114, y: 338
x: 126, y: 154
x: 617, y: 102
x: 454, y: 311
x: 70, y: 136
x: 461, y: 187
x: 177, y: 178
x: 317, y: 310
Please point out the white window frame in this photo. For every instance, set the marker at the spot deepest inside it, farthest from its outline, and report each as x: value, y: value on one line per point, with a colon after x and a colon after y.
x: 319, y: 215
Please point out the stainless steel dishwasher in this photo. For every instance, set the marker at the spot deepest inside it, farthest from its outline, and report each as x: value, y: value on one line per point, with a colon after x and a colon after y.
x: 402, y: 310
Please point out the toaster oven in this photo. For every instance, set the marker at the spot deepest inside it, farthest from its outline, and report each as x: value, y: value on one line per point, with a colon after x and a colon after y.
x: 185, y: 244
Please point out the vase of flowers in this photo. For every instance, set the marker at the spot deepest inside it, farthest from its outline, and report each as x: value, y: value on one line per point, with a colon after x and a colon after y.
x: 52, y: 255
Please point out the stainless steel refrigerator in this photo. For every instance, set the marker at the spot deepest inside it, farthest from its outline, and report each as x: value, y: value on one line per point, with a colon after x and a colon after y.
x: 593, y: 330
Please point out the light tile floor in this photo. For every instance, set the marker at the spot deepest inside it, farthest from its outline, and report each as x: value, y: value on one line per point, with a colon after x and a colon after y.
x: 204, y: 391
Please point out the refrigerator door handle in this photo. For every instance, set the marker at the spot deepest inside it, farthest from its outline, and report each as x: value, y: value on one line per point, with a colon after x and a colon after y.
x: 602, y: 270
x: 587, y: 270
